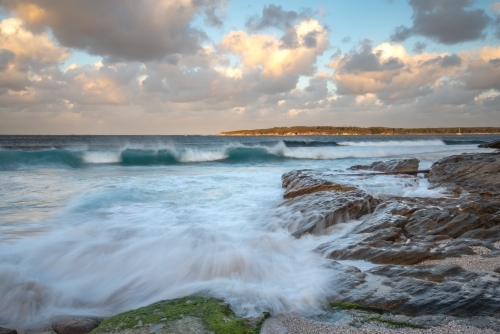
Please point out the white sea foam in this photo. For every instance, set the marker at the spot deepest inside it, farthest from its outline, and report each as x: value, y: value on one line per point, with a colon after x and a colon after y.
x: 194, y: 155
x: 436, y: 142
x: 154, y: 237
x: 359, y: 151
x: 101, y: 157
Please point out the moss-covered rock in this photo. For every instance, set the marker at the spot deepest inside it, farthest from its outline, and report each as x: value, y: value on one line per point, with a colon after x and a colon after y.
x: 192, y: 314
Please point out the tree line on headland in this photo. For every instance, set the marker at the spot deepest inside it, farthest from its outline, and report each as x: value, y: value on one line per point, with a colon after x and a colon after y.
x: 354, y: 130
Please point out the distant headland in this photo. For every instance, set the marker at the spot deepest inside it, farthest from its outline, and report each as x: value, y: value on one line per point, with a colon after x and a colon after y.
x: 354, y: 130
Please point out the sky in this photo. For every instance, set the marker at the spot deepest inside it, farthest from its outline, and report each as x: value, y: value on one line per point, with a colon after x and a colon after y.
x: 171, y: 67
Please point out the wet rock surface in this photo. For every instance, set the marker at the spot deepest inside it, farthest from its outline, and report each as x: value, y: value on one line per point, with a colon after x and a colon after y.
x: 427, y: 290
x: 403, y: 232
x: 7, y: 331
x: 75, y: 325
x: 301, y: 182
x: 493, y: 144
x: 319, y: 204
x: 389, y: 166
x: 475, y: 174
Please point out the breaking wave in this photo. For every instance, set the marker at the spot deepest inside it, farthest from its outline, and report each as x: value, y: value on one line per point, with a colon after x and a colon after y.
x: 233, y: 153
x: 436, y: 142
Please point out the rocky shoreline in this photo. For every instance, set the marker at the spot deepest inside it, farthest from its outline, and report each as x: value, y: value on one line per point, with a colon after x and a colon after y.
x: 437, y: 259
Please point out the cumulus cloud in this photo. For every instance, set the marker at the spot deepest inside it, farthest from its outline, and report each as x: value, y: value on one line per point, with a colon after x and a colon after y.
x: 121, y: 29
x: 419, y: 47
x: 483, y: 72
x: 389, y: 72
x: 444, y: 21
x: 268, y: 52
x: 23, y: 54
x: 23, y: 43
x: 276, y: 17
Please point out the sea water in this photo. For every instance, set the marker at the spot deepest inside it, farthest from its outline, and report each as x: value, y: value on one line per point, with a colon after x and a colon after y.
x: 97, y: 225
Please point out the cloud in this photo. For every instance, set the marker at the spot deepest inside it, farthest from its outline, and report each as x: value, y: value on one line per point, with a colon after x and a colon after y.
x: 444, y: 61
x: 419, y: 47
x: 121, y: 29
x: 482, y: 71
x: 497, y: 27
x: 276, y: 17
x: 24, y: 54
x: 444, y: 21
x: 24, y: 44
x: 268, y: 52
x: 249, y: 79
x: 346, y: 39
x: 6, y: 57
x: 495, y: 7
x: 390, y: 73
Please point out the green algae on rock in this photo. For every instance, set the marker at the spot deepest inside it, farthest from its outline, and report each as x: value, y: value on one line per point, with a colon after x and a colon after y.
x: 192, y: 314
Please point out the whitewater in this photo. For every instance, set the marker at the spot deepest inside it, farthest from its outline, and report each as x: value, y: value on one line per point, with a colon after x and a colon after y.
x: 97, y: 225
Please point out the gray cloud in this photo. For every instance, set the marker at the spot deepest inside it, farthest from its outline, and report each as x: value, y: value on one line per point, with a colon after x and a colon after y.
x: 6, y: 57
x: 446, y: 61
x: 290, y: 39
x: 276, y: 17
x: 444, y: 21
x: 122, y: 29
x: 401, y: 34
x: 361, y: 61
x: 365, y: 60
x: 419, y: 47
x: 497, y: 27
x: 346, y: 39
x: 390, y: 97
x: 495, y: 62
x: 451, y: 60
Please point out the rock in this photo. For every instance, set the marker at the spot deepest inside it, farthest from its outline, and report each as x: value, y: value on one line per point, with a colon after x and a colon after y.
x: 493, y: 144
x: 409, y: 231
x: 74, y: 325
x: 427, y: 290
x: 478, y: 174
x: 197, y: 315
x: 403, y: 165
x: 7, y: 331
x: 403, y: 232
x: 298, y: 183
x: 316, y: 209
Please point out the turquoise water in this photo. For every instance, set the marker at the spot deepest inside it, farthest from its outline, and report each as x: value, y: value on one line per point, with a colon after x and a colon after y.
x: 95, y: 225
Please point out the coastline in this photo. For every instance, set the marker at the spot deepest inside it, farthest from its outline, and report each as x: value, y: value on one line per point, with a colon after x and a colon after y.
x: 222, y: 134
x: 360, y: 131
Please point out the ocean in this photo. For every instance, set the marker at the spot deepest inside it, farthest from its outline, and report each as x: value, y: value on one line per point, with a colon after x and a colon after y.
x: 97, y: 225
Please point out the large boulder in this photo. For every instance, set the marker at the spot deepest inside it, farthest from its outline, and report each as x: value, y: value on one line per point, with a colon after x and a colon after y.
x: 390, y: 166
